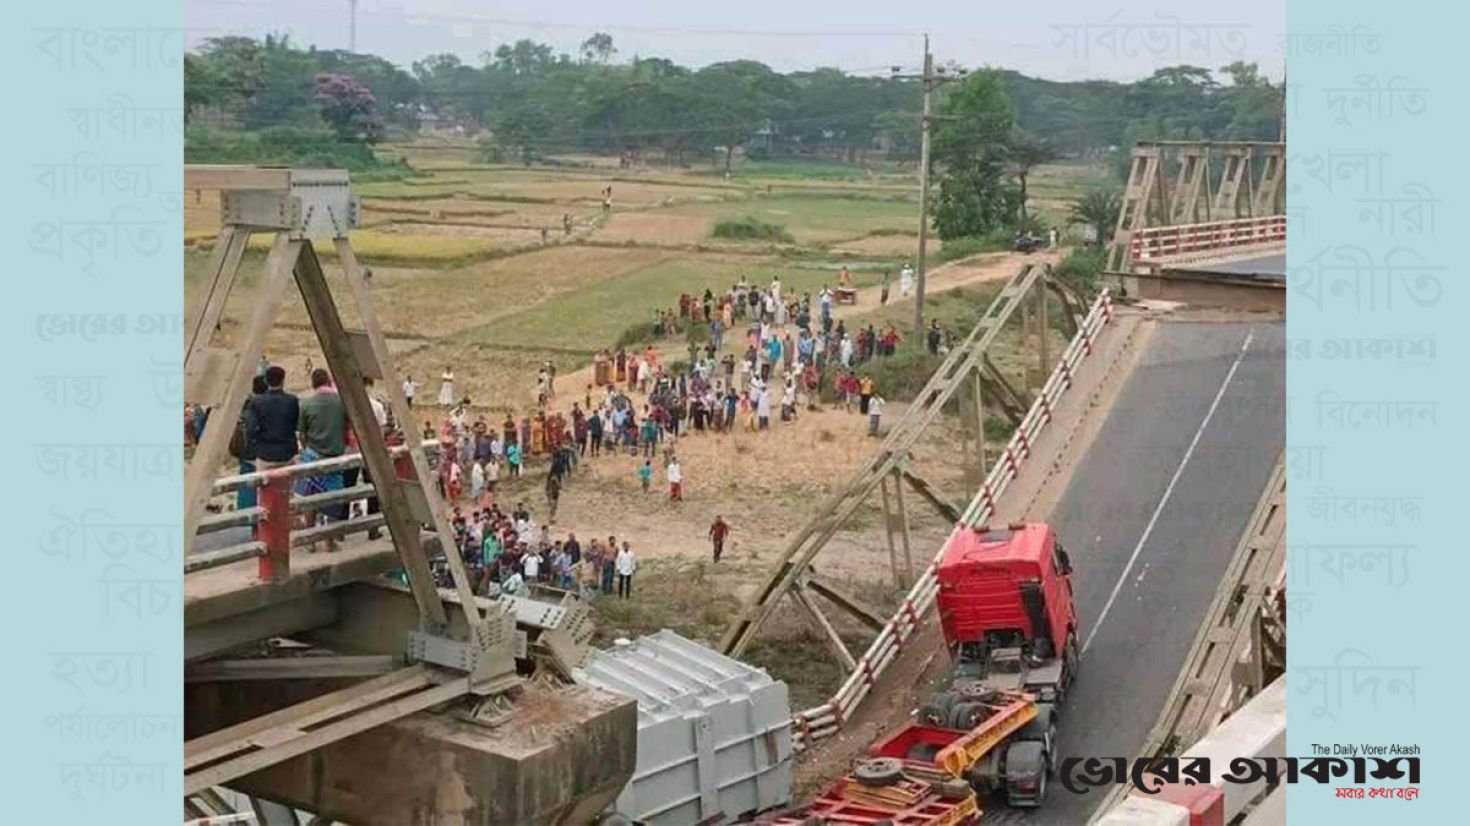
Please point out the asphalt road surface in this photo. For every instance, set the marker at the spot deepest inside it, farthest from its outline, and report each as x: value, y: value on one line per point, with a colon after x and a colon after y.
x: 1151, y: 518
x: 1272, y: 266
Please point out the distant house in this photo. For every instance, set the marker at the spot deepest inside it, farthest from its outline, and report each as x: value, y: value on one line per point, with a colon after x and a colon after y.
x: 435, y: 123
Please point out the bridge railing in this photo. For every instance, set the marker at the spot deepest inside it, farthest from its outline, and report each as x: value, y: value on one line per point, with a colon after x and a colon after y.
x: 272, y: 521
x: 1257, y: 731
x: 1201, y: 240
x: 824, y: 720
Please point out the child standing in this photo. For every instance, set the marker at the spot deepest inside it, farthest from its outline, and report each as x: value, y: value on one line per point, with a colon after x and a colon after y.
x: 645, y: 474
x: 513, y: 458
x: 875, y: 412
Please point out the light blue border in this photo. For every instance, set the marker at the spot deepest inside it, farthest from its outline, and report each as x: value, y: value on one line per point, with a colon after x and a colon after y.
x: 93, y: 308
x: 1378, y: 333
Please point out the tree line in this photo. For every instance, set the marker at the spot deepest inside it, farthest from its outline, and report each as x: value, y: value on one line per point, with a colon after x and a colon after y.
x: 533, y: 100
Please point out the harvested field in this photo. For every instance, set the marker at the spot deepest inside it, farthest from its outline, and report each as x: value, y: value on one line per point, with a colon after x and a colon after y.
x: 903, y: 246
x: 460, y: 279
x: 669, y: 228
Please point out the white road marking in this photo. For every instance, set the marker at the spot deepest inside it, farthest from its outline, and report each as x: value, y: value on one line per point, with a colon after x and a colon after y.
x: 1169, y: 491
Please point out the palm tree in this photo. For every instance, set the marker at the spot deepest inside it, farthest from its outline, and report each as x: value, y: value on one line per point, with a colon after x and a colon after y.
x: 1098, y: 209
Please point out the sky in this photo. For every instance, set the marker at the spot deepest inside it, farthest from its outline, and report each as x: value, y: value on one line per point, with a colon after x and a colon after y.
x: 1054, y: 39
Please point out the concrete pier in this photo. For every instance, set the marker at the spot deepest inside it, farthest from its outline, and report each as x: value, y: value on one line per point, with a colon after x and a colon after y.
x: 558, y: 757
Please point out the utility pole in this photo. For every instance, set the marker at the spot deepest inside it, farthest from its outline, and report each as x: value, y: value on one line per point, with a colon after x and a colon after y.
x: 352, y: 26
x: 932, y: 80
x: 923, y: 193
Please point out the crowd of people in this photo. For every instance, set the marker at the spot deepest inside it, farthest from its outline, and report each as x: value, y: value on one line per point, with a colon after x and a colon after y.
x: 638, y: 405
x: 511, y: 553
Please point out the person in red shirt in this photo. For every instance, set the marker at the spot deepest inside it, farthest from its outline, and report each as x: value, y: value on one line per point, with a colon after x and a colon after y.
x: 717, y: 533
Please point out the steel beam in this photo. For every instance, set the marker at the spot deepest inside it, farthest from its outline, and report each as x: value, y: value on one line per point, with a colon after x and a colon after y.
x: 224, y: 755
x: 424, y: 494
x: 840, y: 598
x: 947, y: 511
x: 906, y: 533
x: 345, y: 372
x: 829, y: 633
x: 216, y: 636
x: 210, y: 453
x: 292, y: 668
x: 224, y: 178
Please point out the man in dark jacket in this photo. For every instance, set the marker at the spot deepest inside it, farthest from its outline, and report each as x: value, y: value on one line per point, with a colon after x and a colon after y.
x: 272, y: 428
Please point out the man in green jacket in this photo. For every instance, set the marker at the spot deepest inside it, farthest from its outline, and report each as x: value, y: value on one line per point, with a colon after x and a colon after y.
x: 322, y: 427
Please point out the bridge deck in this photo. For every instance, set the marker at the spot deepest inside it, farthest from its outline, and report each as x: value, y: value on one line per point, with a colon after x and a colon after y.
x: 236, y: 588
x: 1259, y: 266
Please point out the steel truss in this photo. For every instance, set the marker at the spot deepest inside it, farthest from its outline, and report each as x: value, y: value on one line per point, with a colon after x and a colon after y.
x: 967, y: 375
x: 297, y: 206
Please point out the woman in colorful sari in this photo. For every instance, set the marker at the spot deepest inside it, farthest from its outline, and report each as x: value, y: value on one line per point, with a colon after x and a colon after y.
x: 538, y: 434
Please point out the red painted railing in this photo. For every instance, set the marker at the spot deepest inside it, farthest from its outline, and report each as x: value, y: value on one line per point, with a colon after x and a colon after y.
x: 1156, y: 244
x: 271, y: 522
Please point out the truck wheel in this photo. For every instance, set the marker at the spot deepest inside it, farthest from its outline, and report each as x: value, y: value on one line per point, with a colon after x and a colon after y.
x: 936, y: 711
x: 1042, y: 726
x: 1070, y: 660
x: 878, y: 771
x: 966, y: 715
x: 1025, y: 773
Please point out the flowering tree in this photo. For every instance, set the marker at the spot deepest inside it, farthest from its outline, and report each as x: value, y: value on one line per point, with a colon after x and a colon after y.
x: 348, y: 107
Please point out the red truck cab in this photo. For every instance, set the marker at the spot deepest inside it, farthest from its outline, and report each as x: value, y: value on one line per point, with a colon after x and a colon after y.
x: 1006, y: 608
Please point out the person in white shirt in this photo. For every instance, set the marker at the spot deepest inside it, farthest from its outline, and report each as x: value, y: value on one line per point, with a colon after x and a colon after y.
x: 410, y: 387
x: 905, y: 280
x: 446, y: 388
x: 625, y: 564
x: 676, y: 480
x: 875, y: 411
x: 531, y: 565
x: 513, y: 584
x: 477, y: 481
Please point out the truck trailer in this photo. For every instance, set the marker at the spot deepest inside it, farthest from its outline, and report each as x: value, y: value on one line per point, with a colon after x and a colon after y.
x: 989, y: 729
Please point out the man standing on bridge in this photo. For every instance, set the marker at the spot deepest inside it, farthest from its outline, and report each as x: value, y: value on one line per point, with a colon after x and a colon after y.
x: 323, y: 428
x: 272, y: 434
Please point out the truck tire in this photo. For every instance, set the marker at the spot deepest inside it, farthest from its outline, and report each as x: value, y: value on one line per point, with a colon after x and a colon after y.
x: 1042, y: 726
x: 984, y: 776
x: 1025, y: 761
x: 935, y: 712
x: 1071, y: 659
x: 878, y: 771
x: 965, y: 715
